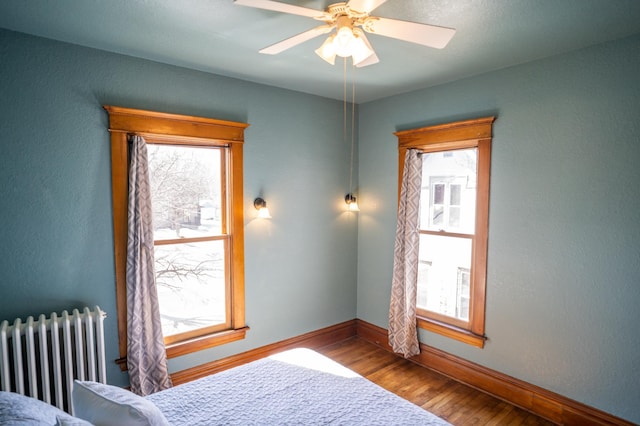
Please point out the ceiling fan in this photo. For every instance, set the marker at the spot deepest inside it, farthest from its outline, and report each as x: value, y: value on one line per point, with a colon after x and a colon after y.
x: 351, y: 20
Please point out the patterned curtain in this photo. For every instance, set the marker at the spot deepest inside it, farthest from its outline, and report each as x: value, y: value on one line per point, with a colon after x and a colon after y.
x: 146, y: 356
x: 403, y: 335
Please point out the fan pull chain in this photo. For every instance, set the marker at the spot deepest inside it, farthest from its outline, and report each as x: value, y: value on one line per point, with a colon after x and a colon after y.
x: 353, y: 115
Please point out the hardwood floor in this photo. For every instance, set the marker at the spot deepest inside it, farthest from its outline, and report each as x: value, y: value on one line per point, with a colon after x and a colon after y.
x: 457, y: 403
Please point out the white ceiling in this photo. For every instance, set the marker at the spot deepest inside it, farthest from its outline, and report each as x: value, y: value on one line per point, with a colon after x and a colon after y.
x: 220, y: 37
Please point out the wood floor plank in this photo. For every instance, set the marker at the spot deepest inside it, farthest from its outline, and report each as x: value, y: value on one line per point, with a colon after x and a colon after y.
x: 455, y: 402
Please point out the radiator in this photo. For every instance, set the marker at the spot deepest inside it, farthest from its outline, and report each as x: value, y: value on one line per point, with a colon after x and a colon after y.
x: 42, y: 358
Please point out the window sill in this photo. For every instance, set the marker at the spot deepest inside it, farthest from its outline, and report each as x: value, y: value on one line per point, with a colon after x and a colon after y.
x: 457, y: 333
x: 197, y: 344
x: 205, y: 342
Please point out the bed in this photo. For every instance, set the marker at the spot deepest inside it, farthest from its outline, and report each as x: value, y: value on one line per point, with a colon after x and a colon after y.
x: 295, y: 387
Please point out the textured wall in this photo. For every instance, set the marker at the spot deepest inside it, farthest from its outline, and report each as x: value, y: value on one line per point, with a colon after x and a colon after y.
x: 564, y: 263
x: 55, y: 221
x: 563, y: 284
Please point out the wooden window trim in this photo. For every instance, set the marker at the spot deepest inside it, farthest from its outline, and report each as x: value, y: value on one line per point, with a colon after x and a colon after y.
x: 450, y: 136
x: 176, y: 129
x: 211, y: 340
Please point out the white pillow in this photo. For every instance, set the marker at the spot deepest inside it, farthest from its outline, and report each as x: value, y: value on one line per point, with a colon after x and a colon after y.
x: 105, y: 405
x: 71, y: 421
x: 16, y: 409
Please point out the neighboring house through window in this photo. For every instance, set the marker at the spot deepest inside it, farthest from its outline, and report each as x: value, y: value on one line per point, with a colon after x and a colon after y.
x: 195, y: 173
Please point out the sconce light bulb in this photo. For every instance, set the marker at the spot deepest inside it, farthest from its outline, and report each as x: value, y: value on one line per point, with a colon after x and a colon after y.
x: 261, y: 205
x: 352, y: 204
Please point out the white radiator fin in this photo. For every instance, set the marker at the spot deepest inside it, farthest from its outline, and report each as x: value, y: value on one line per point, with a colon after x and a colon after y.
x: 50, y: 353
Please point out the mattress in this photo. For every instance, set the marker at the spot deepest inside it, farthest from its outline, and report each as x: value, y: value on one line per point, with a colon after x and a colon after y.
x: 296, y: 387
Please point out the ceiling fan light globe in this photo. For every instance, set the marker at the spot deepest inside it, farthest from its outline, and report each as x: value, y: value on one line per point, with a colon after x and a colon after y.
x: 343, y: 42
x: 328, y: 47
x: 360, y: 51
x: 327, y: 51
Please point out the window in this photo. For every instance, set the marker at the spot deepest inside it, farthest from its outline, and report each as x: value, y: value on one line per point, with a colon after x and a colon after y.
x: 454, y: 211
x: 195, y: 172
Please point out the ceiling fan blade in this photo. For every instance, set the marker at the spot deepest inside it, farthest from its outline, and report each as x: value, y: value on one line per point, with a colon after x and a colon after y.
x: 424, y: 34
x: 364, y: 5
x: 296, y: 40
x: 282, y: 7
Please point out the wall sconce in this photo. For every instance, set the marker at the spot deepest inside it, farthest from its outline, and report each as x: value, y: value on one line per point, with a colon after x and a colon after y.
x: 261, y: 205
x: 352, y: 204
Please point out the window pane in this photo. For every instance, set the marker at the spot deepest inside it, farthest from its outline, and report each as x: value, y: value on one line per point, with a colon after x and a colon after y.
x: 438, y: 286
x: 438, y: 216
x: 438, y: 193
x: 186, y: 191
x: 463, y: 312
x: 452, y: 179
x: 423, y: 275
x: 464, y: 288
x: 191, y: 285
x: 454, y: 217
x: 454, y: 195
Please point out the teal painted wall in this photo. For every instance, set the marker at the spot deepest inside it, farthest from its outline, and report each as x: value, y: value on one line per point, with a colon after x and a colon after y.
x: 563, y: 284
x: 55, y: 221
x: 564, y: 258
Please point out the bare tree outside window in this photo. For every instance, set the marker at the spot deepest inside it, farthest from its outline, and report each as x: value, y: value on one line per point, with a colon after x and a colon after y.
x: 187, y: 203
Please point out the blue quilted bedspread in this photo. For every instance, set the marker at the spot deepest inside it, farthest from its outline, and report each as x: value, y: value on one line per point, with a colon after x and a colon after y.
x: 297, y: 387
